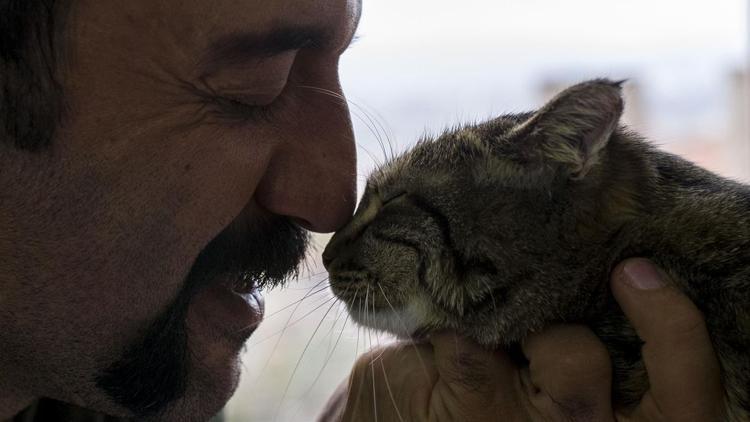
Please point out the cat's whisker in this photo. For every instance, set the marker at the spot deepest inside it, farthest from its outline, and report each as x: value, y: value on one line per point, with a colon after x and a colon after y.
x: 372, y: 367
x: 359, y: 314
x: 377, y: 120
x: 311, y: 274
x: 374, y: 130
x: 369, y: 153
x: 299, y: 289
x: 330, y: 355
x: 280, y: 335
x: 378, y: 162
x: 377, y: 334
x: 281, y: 332
x: 331, y: 352
x: 335, y: 320
x: 321, y: 290
x: 307, y: 271
x: 356, y: 353
x: 490, y: 292
x: 298, y: 303
x: 389, y: 136
x: 318, y: 277
x: 382, y: 132
x: 372, y: 124
x: 362, y: 178
x: 299, y: 361
x: 390, y: 392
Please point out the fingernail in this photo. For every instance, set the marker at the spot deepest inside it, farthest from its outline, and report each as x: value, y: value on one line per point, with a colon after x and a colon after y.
x: 643, y: 275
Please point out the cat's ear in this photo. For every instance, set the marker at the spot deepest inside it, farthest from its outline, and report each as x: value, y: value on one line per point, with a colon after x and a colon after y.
x: 574, y: 127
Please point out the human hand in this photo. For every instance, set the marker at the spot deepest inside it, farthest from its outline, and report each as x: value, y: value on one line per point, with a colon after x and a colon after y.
x: 568, y: 376
x: 683, y: 370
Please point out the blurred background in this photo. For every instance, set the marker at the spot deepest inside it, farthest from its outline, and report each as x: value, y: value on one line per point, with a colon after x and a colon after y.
x: 421, y: 65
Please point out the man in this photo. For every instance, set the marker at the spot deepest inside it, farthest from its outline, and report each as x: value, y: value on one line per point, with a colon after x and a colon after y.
x: 158, y: 157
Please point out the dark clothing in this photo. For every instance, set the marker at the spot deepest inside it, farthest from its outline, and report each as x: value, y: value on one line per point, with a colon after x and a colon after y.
x: 47, y: 410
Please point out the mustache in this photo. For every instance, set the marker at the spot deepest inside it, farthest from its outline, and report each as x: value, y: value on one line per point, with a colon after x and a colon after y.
x: 265, y: 251
x: 154, y: 372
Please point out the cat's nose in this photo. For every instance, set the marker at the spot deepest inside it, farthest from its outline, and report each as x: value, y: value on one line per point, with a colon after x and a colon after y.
x: 348, y: 235
x: 332, y: 250
x: 327, y: 259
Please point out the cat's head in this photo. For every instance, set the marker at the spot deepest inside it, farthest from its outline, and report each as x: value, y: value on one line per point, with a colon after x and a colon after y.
x: 478, y: 229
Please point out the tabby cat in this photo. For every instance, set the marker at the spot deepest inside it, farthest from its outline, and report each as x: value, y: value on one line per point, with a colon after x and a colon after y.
x: 502, y: 228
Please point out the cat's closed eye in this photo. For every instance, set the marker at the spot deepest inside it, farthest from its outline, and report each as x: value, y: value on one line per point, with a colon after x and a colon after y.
x: 392, y: 196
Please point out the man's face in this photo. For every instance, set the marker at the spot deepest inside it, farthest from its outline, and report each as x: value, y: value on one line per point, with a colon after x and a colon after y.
x: 200, y: 136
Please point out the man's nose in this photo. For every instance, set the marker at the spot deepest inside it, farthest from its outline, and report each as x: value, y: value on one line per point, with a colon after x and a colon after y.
x: 312, y: 175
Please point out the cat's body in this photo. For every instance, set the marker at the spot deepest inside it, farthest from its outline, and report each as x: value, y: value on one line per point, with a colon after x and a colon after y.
x: 502, y: 228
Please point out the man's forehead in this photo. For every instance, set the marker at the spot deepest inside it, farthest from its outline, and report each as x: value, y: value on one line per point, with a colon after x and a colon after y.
x: 267, y: 14
x: 190, y: 27
x: 290, y: 25
x: 227, y: 11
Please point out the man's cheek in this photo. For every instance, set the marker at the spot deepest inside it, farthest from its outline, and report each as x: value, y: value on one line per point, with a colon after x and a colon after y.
x: 215, y: 188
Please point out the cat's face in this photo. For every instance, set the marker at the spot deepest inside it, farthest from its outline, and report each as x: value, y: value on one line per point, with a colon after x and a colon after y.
x: 453, y: 233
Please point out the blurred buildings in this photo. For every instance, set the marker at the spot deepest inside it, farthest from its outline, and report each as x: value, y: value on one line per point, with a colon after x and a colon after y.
x: 724, y: 148
x: 633, y: 115
x: 738, y: 147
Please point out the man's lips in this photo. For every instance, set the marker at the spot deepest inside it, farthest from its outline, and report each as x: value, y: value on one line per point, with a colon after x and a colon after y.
x: 229, y: 313
x: 242, y: 287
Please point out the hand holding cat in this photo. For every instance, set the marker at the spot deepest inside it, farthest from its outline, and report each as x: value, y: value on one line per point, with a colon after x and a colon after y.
x: 683, y: 369
x: 570, y: 371
x: 569, y: 375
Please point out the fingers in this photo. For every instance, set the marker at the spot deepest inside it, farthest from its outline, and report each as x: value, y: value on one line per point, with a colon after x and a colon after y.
x: 334, y: 409
x: 392, y: 383
x: 682, y: 367
x: 474, y: 381
x: 569, y: 375
x: 450, y: 378
x: 453, y: 378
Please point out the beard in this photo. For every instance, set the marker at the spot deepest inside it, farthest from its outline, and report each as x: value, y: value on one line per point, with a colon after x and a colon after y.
x: 154, y: 372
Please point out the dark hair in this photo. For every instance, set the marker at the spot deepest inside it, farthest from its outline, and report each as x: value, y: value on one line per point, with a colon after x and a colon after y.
x: 31, y: 99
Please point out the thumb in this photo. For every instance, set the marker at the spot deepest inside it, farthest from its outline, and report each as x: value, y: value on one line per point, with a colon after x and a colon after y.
x: 682, y: 367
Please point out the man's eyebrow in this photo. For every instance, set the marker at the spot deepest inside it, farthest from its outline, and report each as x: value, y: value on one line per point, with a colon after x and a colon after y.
x: 237, y: 48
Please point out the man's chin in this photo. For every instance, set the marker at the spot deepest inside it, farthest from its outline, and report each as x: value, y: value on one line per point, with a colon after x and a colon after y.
x: 210, y: 387
x: 206, y: 396
x: 187, y: 362
x: 219, y: 321
x: 215, y: 365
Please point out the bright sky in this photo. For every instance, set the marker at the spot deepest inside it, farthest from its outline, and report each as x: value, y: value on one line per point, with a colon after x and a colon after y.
x: 426, y: 64
x: 607, y: 26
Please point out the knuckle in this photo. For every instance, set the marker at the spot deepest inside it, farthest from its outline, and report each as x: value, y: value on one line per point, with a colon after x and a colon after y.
x: 576, y: 409
x: 468, y: 372
x: 593, y: 363
x: 570, y: 366
x: 573, y: 351
x: 366, y: 360
x: 599, y: 364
